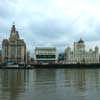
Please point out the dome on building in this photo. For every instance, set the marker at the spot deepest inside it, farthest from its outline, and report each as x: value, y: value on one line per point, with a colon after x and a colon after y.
x: 13, y: 29
x: 80, y: 41
x: 14, y: 34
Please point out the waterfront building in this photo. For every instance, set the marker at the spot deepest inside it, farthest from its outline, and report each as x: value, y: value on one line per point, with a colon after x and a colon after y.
x: 79, y: 54
x: 14, y: 48
x: 46, y: 55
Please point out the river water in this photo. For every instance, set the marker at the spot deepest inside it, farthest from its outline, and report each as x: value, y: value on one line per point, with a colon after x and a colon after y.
x: 50, y: 84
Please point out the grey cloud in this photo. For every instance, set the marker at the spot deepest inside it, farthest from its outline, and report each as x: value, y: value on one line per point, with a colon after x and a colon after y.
x: 36, y: 25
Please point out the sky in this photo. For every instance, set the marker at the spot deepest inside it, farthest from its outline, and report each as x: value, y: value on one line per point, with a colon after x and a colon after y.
x: 52, y: 22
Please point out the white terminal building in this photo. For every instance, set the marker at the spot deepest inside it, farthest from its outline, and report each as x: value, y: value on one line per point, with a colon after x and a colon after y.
x: 79, y: 54
x: 46, y: 55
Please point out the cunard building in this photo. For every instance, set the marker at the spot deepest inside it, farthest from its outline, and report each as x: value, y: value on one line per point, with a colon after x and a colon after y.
x: 14, y: 48
x: 79, y: 54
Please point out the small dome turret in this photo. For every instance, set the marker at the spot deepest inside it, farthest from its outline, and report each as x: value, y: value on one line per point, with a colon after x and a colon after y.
x: 80, y: 41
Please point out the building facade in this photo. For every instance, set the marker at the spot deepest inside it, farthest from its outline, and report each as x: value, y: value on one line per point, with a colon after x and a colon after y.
x: 79, y: 54
x: 0, y: 57
x: 46, y: 55
x: 14, y: 48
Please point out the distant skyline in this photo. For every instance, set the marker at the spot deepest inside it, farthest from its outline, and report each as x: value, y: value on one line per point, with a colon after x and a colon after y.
x: 60, y: 22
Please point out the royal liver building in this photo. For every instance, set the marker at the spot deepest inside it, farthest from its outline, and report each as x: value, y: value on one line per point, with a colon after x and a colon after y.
x: 14, y: 48
x: 79, y: 54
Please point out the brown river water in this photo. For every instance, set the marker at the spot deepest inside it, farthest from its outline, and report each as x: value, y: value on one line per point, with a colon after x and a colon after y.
x: 50, y: 84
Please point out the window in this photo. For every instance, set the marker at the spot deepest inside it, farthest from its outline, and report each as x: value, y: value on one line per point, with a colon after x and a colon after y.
x: 45, y: 56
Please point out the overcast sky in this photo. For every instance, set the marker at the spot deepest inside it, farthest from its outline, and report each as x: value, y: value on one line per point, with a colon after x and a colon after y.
x: 52, y: 22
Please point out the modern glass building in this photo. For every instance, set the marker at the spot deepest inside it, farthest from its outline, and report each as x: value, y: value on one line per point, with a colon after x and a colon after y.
x: 46, y: 55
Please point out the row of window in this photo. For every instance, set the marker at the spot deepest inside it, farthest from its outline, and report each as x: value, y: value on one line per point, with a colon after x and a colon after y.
x: 45, y: 56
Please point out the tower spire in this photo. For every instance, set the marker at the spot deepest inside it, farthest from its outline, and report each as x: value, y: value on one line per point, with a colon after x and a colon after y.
x: 14, y: 33
x: 13, y: 29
